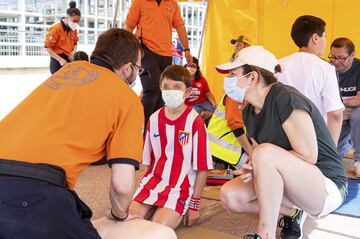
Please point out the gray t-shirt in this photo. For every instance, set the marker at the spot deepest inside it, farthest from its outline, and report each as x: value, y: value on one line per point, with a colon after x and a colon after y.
x: 266, y: 127
x: 349, y: 81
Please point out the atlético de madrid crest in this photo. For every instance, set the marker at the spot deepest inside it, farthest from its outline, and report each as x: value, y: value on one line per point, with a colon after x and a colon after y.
x: 183, y: 137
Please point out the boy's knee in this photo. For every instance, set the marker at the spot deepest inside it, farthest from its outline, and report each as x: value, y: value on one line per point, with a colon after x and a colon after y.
x: 165, y: 222
x: 232, y: 200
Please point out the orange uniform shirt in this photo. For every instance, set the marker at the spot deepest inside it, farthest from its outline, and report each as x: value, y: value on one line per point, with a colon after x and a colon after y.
x: 155, y: 23
x: 233, y: 114
x: 60, y: 40
x: 77, y: 116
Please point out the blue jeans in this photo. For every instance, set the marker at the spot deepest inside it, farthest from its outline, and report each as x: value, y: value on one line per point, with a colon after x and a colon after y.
x: 350, y: 135
x: 203, y: 106
x: 177, y: 60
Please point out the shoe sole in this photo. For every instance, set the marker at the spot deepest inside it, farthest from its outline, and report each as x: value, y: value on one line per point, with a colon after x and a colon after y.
x: 302, y: 224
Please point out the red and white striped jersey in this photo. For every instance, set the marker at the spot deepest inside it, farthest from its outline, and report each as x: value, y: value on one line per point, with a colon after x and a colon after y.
x: 174, y: 150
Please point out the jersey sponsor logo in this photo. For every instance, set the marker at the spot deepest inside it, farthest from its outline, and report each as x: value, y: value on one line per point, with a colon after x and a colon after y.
x: 195, y: 93
x: 71, y: 75
x: 183, y: 137
x: 348, y: 89
x: 182, y: 202
x: 156, y: 135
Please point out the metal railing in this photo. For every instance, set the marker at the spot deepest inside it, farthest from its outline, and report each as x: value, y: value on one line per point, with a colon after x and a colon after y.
x: 27, y: 39
x: 31, y: 43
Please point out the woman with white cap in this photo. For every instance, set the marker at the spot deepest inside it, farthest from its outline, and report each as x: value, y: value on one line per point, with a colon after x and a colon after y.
x: 295, y: 167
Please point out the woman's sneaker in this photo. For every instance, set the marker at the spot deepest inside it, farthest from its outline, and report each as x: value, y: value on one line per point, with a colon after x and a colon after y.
x: 252, y: 237
x: 292, y: 226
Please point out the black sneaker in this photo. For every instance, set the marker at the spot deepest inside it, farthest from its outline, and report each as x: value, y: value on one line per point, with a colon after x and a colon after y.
x: 292, y: 226
x: 252, y: 237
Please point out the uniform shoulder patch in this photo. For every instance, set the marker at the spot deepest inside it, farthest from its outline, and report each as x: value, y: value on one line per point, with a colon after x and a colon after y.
x: 71, y: 75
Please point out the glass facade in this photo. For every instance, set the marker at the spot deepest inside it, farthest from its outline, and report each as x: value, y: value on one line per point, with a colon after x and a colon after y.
x: 23, y: 23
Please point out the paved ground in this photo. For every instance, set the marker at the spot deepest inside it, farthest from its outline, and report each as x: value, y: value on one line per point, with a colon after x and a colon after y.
x: 216, y: 222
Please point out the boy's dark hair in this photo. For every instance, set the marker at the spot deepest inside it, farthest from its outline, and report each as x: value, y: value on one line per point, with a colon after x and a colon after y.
x: 198, y: 72
x: 304, y: 27
x: 80, y: 56
x: 117, y: 47
x: 267, y: 76
x: 176, y: 73
x: 344, y: 42
x: 72, y: 10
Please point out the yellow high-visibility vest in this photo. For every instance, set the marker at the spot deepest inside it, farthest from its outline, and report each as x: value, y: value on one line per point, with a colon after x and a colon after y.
x: 223, y: 143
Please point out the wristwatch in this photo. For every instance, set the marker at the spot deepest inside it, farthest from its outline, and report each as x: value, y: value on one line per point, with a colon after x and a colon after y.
x: 186, y: 49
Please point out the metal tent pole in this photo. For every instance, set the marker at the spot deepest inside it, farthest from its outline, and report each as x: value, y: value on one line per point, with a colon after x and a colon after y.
x: 114, y: 25
x: 203, y: 32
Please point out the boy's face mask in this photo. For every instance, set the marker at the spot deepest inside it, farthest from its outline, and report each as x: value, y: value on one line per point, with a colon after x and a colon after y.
x: 173, y: 98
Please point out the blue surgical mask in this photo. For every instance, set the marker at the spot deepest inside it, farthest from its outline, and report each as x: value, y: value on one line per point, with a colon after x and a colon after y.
x: 233, y: 90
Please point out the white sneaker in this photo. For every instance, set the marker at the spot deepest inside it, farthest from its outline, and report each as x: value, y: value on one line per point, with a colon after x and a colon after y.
x: 357, y: 169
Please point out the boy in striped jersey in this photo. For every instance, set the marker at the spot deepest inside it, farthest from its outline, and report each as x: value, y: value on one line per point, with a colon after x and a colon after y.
x: 177, y: 157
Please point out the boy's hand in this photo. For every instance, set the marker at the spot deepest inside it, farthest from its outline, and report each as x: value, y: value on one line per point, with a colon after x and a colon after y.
x: 191, y: 217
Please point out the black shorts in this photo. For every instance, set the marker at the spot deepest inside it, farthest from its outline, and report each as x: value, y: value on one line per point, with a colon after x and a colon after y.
x: 55, y: 65
x: 31, y: 208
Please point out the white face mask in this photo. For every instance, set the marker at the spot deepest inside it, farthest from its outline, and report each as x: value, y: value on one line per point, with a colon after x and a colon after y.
x: 191, y: 70
x: 133, y: 83
x: 73, y: 25
x: 173, y: 98
x: 233, y: 90
x: 127, y: 79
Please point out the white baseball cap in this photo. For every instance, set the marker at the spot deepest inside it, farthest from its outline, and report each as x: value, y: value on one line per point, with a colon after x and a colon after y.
x: 252, y: 55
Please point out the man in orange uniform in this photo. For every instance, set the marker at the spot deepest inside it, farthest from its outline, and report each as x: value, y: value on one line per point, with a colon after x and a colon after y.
x: 154, y: 20
x: 82, y: 113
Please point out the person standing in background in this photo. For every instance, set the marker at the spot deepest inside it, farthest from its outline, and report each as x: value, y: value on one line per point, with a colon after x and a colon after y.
x: 239, y: 43
x: 154, y: 20
x: 62, y: 37
x: 177, y: 49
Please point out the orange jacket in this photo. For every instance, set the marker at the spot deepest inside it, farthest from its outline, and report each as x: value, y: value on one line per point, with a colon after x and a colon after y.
x: 60, y: 40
